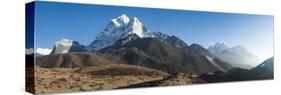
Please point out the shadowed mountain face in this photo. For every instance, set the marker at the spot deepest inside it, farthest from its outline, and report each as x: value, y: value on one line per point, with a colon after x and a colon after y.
x: 265, y: 70
x: 146, y: 52
x: 155, y: 53
x: 260, y: 72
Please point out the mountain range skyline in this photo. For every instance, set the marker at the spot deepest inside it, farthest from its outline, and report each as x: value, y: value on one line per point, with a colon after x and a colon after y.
x: 80, y: 47
x: 46, y: 51
x: 203, y: 28
x: 122, y: 27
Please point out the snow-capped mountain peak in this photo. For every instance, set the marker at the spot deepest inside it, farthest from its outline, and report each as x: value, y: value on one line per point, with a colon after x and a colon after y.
x: 64, y: 42
x: 117, y: 28
x: 62, y: 46
x: 66, y: 46
x: 218, y: 47
x: 136, y: 27
x: 121, y: 20
x: 239, y: 48
x: 237, y: 56
x: 222, y: 45
x: 135, y: 21
x: 43, y: 51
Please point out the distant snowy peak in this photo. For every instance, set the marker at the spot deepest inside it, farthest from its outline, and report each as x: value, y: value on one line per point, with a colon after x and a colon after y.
x: 218, y: 47
x: 237, y: 56
x: 38, y: 52
x: 118, y: 28
x: 62, y: 46
x: 241, y: 50
x: 67, y: 46
x: 43, y: 51
x: 223, y: 48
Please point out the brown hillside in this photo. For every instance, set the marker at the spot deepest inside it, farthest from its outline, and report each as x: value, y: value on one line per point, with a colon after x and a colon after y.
x: 73, y: 60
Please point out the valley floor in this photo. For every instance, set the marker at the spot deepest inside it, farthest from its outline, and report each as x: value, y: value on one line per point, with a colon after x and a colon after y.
x: 66, y: 80
x: 61, y: 80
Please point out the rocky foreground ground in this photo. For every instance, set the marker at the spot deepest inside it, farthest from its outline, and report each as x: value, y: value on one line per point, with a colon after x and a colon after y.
x: 105, y: 77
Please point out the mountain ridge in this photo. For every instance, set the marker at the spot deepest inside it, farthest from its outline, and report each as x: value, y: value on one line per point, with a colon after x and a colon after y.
x: 263, y: 71
x: 117, y: 29
x: 128, y: 40
x: 154, y: 53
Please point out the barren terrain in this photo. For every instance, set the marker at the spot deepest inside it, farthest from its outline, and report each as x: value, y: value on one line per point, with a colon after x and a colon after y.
x: 99, y: 77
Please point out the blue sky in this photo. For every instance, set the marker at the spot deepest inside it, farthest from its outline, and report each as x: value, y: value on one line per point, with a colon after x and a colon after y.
x: 81, y: 22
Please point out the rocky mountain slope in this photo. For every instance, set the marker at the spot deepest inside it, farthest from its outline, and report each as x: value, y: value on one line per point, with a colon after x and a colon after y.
x: 73, y: 60
x: 154, y: 53
x: 260, y: 72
